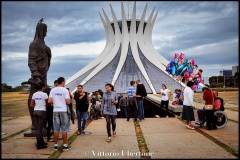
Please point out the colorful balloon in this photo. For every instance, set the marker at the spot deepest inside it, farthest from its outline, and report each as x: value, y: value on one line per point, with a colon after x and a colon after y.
x: 181, y: 67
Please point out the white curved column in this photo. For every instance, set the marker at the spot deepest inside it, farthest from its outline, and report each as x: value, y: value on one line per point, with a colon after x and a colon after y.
x: 148, y: 41
x: 124, y: 47
x: 133, y: 45
x: 148, y: 51
x: 113, y: 51
x: 95, y: 62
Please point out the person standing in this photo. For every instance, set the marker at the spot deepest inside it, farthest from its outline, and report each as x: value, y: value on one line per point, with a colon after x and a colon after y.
x: 141, y: 93
x: 70, y: 107
x: 209, y: 97
x: 165, y: 97
x: 123, y: 104
x: 38, y: 102
x: 187, y: 113
x: 109, y: 101
x: 49, y: 124
x: 98, y: 105
x: 59, y: 97
x: 82, y: 104
x: 132, y: 102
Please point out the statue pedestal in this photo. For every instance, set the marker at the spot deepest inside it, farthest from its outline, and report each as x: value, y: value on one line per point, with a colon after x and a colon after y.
x: 31, y: 133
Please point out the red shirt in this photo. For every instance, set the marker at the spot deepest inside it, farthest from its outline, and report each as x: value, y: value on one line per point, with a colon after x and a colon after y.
x: 208, y: 96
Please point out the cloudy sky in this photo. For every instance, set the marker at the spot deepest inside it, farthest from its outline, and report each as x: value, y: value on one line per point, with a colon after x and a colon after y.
x: 206, y: 31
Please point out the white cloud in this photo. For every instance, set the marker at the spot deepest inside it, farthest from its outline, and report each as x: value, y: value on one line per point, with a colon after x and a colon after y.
x: 81, y: 49
x: 59, y: 51
x: 213, y: 48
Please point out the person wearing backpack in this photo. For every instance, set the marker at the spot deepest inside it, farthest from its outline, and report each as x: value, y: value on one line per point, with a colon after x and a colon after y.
x: 141, y: 93
x: 209, y: 97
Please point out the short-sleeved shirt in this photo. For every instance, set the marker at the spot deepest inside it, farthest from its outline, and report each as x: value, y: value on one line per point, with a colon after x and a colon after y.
x: 165, y: 96
x: 39, y: 98
x: 59, y: 96
x: 131, y: 91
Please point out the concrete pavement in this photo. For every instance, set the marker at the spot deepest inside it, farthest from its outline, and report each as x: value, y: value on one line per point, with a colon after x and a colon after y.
x: 124, y: 145
x: 169, y: 138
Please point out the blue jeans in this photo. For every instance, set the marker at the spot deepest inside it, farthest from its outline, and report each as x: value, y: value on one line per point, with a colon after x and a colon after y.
x: 82, y: 119
x: 140, y: 109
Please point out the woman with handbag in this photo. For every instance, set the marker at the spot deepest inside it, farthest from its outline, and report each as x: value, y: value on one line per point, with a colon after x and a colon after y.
x: 209, y: 97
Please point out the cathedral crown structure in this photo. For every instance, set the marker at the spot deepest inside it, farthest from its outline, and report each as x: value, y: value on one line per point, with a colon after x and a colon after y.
x: 128, y: 55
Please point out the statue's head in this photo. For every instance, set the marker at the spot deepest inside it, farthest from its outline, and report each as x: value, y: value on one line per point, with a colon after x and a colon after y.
x: 41, y: 30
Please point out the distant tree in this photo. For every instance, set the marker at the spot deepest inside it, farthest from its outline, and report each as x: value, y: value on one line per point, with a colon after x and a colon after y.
x: 24, y: 83
x: 6, y: 88
x: 216, y: 81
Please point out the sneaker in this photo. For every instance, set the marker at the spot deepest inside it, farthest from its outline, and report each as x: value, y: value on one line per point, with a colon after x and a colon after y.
x: 66, y: 148
x: 83, y: 132
x: 108, y: 139
x: 55, y: 147
x: 50, y: 140
x: 190, y: 127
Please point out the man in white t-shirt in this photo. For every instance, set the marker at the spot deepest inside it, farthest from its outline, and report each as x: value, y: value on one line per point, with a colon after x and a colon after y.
x: 59, y: 97
x: 39, y: 101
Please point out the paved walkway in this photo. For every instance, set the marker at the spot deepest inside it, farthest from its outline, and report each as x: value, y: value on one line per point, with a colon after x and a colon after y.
x: 124, y: 145
x: 169, y: 138
x: 12, y: 126
x: 24, y: 147
x: 165, y: 138
x: 228, y: 135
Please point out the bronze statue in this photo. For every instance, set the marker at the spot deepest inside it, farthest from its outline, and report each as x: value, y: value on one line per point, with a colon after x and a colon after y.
x: 39, y: 58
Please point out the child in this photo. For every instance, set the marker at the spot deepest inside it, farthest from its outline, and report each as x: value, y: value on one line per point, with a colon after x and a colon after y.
x: 177, y: 97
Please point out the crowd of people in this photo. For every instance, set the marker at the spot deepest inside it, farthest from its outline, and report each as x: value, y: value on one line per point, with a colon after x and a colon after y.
x: 54, y: 109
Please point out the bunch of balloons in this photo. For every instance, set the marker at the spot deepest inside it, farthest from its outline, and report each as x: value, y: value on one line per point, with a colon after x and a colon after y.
x: 185, y: 70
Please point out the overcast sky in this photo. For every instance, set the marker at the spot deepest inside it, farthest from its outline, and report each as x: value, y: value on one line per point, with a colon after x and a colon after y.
x: 205, y: 31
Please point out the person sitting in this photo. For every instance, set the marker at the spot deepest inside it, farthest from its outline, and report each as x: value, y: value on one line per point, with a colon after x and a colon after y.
x: 177, y: 97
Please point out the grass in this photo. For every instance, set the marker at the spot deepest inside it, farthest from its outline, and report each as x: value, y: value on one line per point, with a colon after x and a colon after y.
x: 14, y: 104
x: 230, y: 99
x: 142, y: 145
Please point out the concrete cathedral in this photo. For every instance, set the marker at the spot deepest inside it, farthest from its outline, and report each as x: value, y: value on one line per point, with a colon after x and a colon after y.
x: 128, y: 55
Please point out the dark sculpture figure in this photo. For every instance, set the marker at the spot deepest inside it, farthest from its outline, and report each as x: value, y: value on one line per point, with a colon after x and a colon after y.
x: 39, y: 58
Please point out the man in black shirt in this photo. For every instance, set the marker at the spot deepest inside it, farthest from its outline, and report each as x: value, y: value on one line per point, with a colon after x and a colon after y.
x: 49, y: 108
x: 82, y: 103
x: 140, y: 94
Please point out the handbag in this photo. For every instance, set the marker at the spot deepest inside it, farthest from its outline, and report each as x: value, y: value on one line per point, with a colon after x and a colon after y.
x: 210, y: 106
